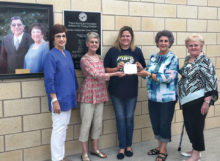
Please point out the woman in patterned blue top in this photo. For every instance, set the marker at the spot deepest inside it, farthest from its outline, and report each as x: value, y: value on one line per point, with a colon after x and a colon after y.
x: 162, y: 78
x: 197, y: 91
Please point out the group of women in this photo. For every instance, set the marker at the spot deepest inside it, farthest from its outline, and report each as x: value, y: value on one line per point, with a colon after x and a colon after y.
x: 197, y: 91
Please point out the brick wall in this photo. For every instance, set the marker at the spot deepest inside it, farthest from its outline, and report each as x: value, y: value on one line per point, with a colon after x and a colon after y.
x: 25, y: 124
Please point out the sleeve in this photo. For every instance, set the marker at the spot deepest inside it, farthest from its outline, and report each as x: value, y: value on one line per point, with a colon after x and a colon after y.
x: 87, y: 67
x: 107, y: 59
x: 171, y: 73
x: 49, y: 73
x: 141, y: 58
x: 210, y: 80
x: 44, y: 53
x: 76, y: 82
x: 3, y: 59
x: 25, y: 63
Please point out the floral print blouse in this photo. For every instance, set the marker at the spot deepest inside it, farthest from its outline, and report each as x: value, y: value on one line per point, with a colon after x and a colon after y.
x: 93, y: 89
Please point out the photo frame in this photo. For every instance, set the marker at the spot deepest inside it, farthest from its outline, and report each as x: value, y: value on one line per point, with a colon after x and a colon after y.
x: 11, y: 57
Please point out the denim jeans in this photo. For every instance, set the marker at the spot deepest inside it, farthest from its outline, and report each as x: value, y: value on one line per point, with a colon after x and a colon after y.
x: 161, y: 115
x: 124, y: 111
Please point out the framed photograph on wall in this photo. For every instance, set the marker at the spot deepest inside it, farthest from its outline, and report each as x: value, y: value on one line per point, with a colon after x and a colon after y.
x: 78, y: 24
x: 24, y: 38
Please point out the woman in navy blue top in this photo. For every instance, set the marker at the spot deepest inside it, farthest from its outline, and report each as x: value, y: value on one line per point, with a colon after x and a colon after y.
x: 124, y: 90
x: 60, y: 84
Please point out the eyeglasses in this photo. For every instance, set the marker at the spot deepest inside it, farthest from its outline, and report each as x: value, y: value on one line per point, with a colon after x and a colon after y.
x: 163, y: 40
x: 14, y: 24
x: 60, y: 36
x: 16, y: 18
x: 93, y: 42
x: 36, y: 32
x: 193, y: 45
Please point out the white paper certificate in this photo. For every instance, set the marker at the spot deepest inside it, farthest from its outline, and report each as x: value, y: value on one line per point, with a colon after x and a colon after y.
x: 130, y: 68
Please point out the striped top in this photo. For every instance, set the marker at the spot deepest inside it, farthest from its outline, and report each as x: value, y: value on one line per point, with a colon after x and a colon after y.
x: 93, y: 89
x: 166, y: 69
x: 198, y: 80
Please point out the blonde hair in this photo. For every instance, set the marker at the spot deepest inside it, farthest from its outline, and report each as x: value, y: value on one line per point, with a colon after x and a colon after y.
x: 117, y: 44
x: 195, y: 37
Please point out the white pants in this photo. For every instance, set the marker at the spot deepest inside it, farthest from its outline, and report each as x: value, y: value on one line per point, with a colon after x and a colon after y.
x: 58, y: 136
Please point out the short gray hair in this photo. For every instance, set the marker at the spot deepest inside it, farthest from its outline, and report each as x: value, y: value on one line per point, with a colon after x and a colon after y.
x: 195, y: 37
x: 167, y: 34
x: 91, y: 35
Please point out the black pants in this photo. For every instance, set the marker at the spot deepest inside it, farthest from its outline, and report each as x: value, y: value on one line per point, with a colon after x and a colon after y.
x: 194, y: 122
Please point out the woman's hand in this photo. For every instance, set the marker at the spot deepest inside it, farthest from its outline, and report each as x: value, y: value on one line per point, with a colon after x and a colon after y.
x: 120, y: 74
x: 143, y: 73
x: 120, y: 65
x: 204, y: 108
x: 56, y: 107
x: 139, y: 67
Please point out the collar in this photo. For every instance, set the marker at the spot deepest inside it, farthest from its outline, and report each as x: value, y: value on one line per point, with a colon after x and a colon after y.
x: 19, y: 37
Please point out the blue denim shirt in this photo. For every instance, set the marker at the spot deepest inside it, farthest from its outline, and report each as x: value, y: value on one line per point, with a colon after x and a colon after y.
x: 60, y: 78
x: 166, y: 69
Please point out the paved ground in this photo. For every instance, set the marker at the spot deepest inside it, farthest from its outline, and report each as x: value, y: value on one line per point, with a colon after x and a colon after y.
x: 212, y: 153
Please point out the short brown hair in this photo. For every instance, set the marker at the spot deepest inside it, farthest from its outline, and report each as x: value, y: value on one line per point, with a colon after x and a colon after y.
x: 57, y: 28
x: 37, y: 26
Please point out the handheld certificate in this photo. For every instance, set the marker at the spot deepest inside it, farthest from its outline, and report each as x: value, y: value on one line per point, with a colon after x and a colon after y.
x: 130, y: 68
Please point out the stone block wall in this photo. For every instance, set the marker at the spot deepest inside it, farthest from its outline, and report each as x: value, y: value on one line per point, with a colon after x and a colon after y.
x: 25, y: 123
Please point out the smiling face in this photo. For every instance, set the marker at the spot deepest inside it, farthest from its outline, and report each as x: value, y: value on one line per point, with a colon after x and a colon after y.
x: 125, y: 40
x: 163, y: 44
x: 93, y: 45
x: 17, y: 27
x: 194, y: 48
x: 36, y: 35
x: 60, y: 40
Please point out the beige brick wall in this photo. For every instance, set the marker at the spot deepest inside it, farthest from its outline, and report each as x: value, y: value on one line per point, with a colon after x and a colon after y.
x: 25, y: 122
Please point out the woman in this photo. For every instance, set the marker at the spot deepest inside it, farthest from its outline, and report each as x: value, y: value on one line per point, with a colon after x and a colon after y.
x: 124, y: 91
x: 92, y: 96
x: 34, y: 59
x: 162, y: 78
x: 60, y: 84
x: 197, y: 91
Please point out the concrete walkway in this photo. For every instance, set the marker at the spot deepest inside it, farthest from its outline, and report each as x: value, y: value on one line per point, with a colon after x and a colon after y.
x: 212, y: 153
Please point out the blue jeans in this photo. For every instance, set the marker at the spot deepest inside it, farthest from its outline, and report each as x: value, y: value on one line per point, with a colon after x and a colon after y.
x: 161, y: 115
x: 124, y: 111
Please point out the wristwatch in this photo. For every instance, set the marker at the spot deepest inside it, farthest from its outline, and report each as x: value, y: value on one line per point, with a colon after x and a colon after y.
x: 149, y: 76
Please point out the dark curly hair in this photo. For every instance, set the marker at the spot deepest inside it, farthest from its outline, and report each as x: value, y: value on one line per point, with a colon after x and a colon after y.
x: 166, y: 33
x: 57, y: 28
x: 37, y: 26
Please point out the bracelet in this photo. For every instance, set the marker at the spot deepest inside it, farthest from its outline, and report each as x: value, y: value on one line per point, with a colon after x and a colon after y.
x: 207, y: 101
x: 149, y: 76
x: 54, y: 100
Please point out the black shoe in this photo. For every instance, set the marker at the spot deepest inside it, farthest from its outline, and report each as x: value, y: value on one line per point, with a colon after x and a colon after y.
x: 128, y: 153
x: 120, y: 155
